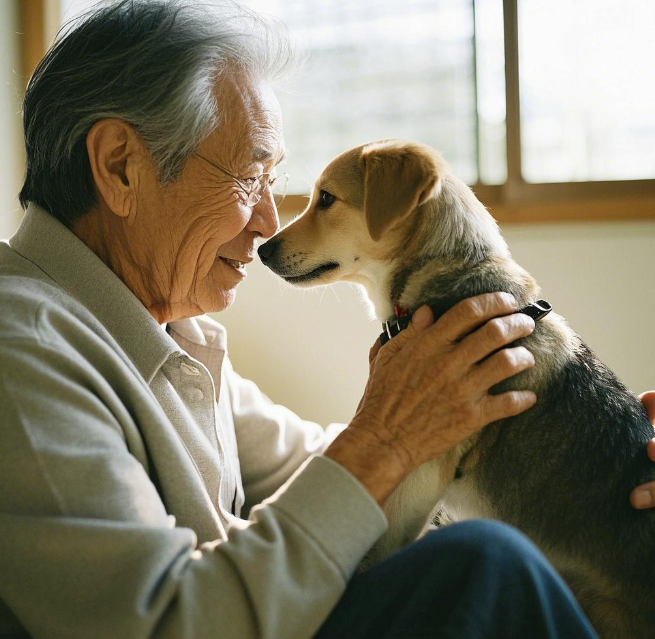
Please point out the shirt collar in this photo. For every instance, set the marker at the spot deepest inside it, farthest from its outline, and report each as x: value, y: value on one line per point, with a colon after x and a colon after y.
x: 61, y: 255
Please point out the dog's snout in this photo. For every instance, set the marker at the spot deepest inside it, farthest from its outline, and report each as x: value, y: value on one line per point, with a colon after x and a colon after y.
x: 268, y: 250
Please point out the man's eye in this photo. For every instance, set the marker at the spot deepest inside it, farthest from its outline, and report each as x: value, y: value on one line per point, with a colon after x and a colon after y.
x: 325, y: 199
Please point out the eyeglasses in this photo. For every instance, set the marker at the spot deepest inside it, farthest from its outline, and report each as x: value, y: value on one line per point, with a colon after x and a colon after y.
x: 254, y: 187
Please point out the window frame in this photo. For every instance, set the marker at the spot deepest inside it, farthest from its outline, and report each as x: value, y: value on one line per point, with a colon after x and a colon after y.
x: 31, y: 18
x: 520, y: 201
x: 514, y: 201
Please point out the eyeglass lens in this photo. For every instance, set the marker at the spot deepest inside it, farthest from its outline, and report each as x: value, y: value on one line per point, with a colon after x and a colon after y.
x: 278, y: 186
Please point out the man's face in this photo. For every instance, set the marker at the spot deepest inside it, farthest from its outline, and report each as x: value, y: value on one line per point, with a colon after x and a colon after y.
x: 197, y: 234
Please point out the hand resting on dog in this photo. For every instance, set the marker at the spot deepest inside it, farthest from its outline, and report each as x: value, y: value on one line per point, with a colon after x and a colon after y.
x: 644, y: 496
x: 428, y: 389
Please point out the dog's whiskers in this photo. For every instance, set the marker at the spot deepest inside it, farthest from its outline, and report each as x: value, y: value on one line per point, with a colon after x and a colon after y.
x: 334, y: 292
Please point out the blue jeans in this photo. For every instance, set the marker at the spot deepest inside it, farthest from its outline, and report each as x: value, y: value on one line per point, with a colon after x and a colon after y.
x: 476, y: 579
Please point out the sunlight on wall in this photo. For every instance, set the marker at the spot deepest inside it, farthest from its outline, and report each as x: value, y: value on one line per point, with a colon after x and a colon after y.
x: 308, y: 349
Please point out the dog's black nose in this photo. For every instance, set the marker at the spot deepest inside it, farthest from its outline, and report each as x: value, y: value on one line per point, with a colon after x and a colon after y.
x: 268, y: 249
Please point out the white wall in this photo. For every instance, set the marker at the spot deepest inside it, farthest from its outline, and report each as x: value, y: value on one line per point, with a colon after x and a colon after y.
x: 11, y: 149
x: 308, y: 349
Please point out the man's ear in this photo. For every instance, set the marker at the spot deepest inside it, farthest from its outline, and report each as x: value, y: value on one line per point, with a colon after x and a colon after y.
x: 115, y: 152
x: 399, y: 177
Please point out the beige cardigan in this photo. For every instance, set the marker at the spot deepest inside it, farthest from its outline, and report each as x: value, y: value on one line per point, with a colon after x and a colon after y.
x: 120, y: 484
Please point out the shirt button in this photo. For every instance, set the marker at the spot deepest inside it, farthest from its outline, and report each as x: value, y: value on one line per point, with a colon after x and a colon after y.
x: 188, y: 369
x: 195, y: 394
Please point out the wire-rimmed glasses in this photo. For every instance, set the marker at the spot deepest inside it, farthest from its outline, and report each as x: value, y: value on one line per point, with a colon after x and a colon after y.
x: 254, y: 187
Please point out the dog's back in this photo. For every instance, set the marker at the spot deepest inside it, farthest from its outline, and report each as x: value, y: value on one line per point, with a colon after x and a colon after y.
x: 563, y: 471
x: 563, y: 475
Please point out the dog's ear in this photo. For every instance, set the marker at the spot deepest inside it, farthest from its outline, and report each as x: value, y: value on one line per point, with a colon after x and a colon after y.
x: 398, y: 177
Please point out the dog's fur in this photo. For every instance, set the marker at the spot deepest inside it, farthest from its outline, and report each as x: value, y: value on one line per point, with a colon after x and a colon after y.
x: 411, y: 233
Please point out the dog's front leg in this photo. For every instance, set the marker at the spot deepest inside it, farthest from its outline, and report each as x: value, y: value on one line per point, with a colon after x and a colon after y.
x: 411, y: 506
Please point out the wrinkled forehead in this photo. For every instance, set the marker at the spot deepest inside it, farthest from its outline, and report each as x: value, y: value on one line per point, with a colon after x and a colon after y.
x: 250, y: 120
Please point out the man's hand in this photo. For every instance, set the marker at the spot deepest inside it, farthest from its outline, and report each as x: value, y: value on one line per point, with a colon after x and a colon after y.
x: 428, y: 389
x: 644, y: 496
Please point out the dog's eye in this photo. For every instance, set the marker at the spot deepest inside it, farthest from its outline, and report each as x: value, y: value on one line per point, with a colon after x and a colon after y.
x: 325, y: 199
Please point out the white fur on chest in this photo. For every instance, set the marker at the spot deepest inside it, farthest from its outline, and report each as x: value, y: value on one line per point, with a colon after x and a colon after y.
x: 462, y: 501
x: 429, y: 489
x: 412, y: 506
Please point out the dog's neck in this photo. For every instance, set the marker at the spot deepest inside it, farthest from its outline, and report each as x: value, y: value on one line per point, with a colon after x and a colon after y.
x: 426, y: 280
x: 449, y: 236
x: 441, y: 288
x: 456, y: 251
x: 430, y: 283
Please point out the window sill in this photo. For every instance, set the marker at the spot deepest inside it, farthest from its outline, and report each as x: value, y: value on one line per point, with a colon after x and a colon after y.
x: 611, y: 208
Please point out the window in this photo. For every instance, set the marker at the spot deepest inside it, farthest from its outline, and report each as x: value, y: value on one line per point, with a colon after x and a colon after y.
x: 546, y: 108
x: 587, y: 72
x: 380, y: 68
x: 575, y: 97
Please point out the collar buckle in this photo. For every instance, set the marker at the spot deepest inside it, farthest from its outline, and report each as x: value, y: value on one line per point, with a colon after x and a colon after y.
x: 392, y: 327
x: 537, y: 310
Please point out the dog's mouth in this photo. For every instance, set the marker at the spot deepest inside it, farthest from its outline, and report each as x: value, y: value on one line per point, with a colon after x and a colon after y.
x: 311, y: 275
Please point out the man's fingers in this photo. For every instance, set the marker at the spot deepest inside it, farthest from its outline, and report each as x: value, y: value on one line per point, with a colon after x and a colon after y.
x: 650, y: 449
x: 421, y: 319
x: 643, y: 496
x: 505, y: 363
x: 507, y: 404
x: 648, y: 400
x: 375, y: 349
x: 469, y: 314
x: 496, y: 334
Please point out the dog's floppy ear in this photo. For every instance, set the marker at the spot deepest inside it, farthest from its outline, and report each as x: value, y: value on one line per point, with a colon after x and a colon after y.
x: 398, y: 177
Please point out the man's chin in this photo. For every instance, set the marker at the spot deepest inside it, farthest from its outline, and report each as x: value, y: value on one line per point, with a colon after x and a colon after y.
x: 224, y: 301
x: 215, y: 297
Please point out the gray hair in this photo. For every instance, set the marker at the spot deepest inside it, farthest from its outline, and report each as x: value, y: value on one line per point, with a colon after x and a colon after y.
x: 151, y: 63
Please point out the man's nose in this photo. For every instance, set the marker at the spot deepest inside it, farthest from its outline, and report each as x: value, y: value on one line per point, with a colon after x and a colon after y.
x: 265, y: 220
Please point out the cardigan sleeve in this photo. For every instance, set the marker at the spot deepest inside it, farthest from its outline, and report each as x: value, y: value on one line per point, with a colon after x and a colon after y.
x: 88, y: 549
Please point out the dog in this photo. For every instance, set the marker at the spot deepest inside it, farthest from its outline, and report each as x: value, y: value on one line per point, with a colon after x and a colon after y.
x: 391, y: 217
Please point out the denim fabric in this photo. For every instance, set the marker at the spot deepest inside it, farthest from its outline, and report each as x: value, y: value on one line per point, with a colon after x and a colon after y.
x: 472, y: 580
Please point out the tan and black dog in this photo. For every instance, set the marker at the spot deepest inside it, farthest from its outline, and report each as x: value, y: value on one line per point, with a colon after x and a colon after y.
x: 391, y: 217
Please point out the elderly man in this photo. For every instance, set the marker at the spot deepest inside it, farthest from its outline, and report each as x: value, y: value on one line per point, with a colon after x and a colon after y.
x: 131, y: 452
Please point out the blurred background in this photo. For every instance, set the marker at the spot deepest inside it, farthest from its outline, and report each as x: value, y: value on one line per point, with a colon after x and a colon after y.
x: 547, y: 109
